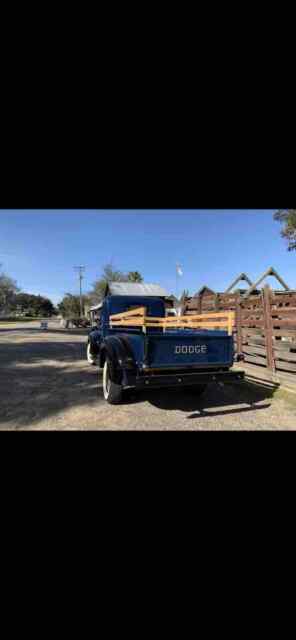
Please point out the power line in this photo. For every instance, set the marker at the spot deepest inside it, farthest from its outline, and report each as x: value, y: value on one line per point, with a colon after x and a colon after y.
x: 80, y: 270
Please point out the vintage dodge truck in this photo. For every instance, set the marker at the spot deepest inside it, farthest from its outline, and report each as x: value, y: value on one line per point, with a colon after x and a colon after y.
x: 138, y: 346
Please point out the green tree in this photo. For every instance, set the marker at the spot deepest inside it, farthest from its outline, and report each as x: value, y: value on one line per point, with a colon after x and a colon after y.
x: 134, y: 276
x: 8, y: 290
x: 31, y: 305
x: 69, y: 307
x: 110, y: 275
x: 287, y: 217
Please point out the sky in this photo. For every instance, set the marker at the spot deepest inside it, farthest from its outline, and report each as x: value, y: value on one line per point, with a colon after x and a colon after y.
x: 39, y: 249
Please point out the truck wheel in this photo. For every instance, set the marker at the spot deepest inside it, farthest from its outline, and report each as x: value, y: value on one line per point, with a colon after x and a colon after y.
x: 112, y: 392
x: 90, y: 357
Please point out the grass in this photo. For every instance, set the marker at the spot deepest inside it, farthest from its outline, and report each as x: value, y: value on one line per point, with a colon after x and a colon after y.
x: 286, y: 396
x: 274, y: 392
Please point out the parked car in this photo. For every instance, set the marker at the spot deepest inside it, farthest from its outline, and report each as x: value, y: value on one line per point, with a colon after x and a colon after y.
x: 81, y: 323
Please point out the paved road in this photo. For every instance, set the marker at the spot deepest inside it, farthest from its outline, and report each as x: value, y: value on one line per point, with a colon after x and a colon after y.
x: 46, y: 383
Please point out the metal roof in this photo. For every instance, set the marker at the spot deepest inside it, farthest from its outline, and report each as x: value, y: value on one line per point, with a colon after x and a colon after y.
x: 135, y: 289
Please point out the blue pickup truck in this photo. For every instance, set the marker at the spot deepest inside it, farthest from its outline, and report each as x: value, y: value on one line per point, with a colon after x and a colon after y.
x: 138, y: 357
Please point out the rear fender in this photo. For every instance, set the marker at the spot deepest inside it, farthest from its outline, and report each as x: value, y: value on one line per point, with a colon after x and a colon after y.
x: 119, y: 353
x: 94, y: 340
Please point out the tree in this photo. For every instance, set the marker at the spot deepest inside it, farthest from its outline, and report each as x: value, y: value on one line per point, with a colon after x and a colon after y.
x: 287, y: 217
x: 110, y: 275
x: 70, y: 306
x: 30, y: 305
x: 8, y: 290
x: 134, y: 276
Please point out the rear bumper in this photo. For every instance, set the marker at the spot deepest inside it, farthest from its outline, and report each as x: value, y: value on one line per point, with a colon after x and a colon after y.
x: 184, y: 379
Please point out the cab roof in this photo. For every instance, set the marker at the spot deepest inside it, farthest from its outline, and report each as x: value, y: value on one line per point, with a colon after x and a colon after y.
x: 135, y: 289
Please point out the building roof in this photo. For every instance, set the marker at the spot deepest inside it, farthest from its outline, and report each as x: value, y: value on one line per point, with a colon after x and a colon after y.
x: 135, y: 289
x: 203, y: 290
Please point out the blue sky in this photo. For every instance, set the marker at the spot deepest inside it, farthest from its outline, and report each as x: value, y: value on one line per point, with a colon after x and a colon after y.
x: 40, y: 248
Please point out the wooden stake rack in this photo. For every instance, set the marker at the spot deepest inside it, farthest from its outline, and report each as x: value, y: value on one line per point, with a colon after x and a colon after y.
x: 137, y: 318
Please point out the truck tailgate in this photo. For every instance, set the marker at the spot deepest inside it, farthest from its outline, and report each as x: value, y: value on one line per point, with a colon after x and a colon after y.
x: 189, y: 349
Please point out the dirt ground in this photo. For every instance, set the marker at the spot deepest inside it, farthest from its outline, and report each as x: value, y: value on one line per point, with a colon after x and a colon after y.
x: 46, y: 383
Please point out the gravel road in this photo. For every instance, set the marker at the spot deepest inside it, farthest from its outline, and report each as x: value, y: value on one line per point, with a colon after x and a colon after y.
x: 46, y: 383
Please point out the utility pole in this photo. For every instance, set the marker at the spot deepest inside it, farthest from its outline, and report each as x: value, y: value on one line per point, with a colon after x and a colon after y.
x: 80, y: 270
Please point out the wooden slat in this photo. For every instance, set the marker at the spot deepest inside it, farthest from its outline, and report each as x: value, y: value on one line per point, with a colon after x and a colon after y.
x: 200, y: 316
x: 252, y: 314
x: 253, y: 323
x: 193, y: 325
x: 283, y: 323
x: 253, y: 340
x: 286, y: 366
x: 284, y: 311
x: 249, y: 312
x: 252, y: 332
x: 256, y: 360
x: 251, y: 306
x: 137, y: 322
x: 140, y: 311
x: 278, y: 345
x: 287, y: 299
x: 283, y: 333
x: 285, y: 355
x: 127, y: 321
x: 254, y: 350
x: 286, y: 378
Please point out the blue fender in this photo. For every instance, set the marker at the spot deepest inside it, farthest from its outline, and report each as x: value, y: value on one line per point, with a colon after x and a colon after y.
x: 119, y: 353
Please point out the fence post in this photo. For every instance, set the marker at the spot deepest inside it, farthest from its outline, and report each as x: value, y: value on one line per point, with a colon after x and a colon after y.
x: 238, y: 310
x: 268, y: 329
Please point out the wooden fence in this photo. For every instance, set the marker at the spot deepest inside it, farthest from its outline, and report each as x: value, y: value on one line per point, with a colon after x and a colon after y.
x: 264, y: 329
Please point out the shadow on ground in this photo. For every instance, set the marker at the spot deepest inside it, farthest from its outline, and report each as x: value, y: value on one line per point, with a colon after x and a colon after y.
x: 228, y: 399
x: 68, y: 332
x: 18, y: 354
x: 39, y: 381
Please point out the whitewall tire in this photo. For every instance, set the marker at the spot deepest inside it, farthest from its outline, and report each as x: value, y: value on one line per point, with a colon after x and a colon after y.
x: 90, y: 358
x: 112, y: 392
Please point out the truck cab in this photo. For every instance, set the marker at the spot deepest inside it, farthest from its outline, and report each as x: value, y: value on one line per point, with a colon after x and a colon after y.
x: 149, y: 349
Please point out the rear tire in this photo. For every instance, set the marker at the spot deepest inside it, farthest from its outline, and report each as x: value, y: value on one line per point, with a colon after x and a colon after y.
x: 113, y: 392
